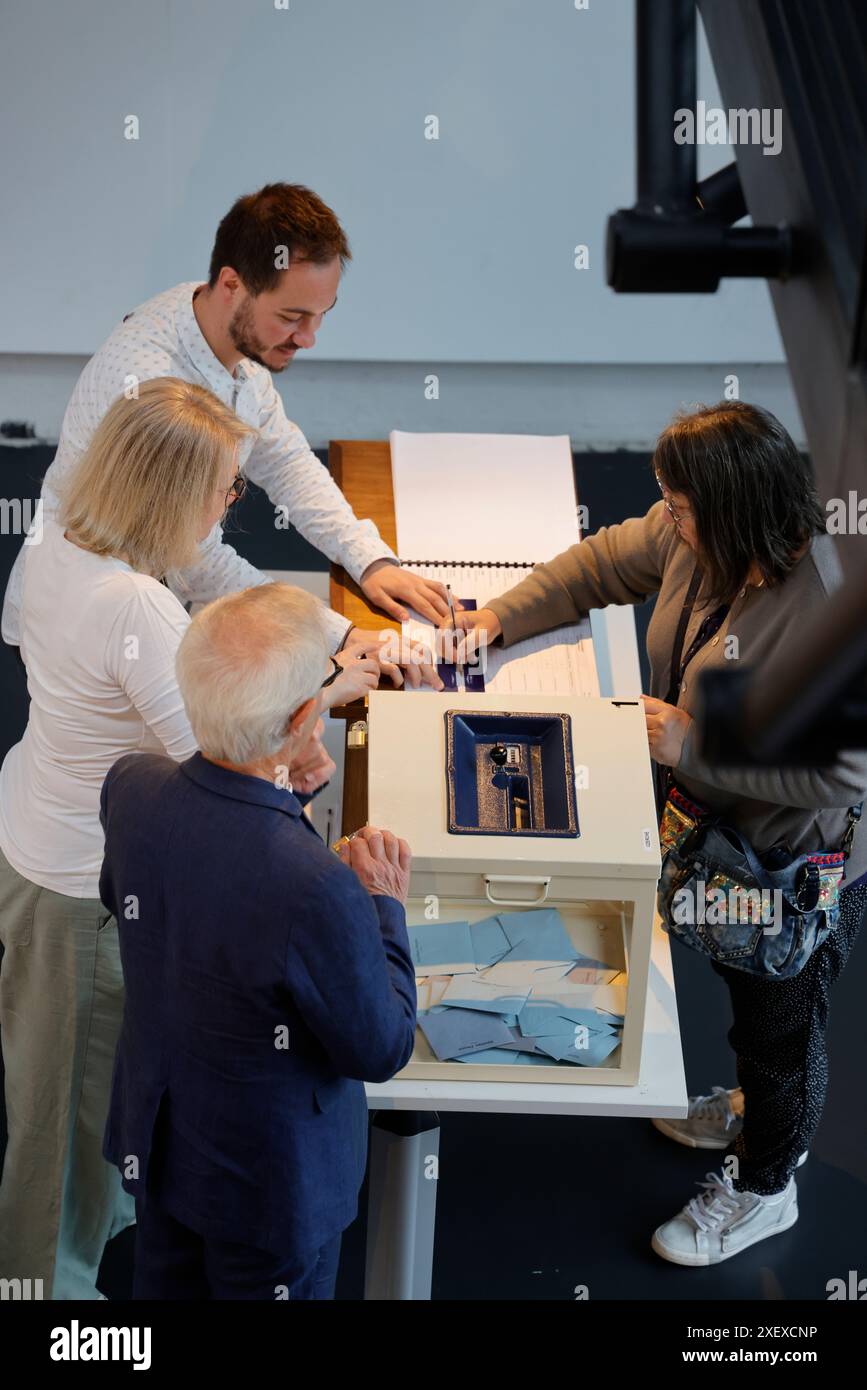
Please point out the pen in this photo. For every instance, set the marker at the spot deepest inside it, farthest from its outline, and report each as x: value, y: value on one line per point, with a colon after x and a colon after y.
x: 459, y: 670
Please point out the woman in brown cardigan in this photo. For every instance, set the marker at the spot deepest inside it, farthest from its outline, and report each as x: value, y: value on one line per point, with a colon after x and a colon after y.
x: 739, y: 501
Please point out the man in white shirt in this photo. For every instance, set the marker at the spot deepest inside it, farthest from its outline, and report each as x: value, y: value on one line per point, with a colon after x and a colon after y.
x: 275, y: 268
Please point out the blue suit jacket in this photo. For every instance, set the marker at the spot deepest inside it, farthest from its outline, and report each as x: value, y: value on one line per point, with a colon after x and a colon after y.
x: 263, y: 986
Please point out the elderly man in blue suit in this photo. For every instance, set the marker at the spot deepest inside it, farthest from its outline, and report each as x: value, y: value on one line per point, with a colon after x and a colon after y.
x: 265, y: 979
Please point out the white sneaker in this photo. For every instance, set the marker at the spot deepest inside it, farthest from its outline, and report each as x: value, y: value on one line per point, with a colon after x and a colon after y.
x: 711, y: 1123
x: 722, y: 1222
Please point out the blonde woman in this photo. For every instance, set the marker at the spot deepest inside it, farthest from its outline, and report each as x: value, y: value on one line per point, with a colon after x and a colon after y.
x: 99, y: 636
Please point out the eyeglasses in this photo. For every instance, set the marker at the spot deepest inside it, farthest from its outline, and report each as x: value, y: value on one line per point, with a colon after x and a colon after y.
x: 675, y: 516
x: 236, y: 490
x: 338, y: 671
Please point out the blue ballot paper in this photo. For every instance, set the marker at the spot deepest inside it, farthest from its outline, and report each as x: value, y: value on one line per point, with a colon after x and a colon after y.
x: 472, y: 992
x: 517, y: 925
x: 441, y: 948
x: 537, y: 936
x: 519, y: 1043
x: 599, y: 1047
x: 455, y: 1032
x: 489, y: 940
x: 491, y: 1055
x: 546, y: 1020
x: 563, y: 1049
x: 496, y: 1008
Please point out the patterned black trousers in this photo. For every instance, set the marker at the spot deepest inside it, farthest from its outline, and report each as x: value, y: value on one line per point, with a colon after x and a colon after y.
x: 778, y: 1037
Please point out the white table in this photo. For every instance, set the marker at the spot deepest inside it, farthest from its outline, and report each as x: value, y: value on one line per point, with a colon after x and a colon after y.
x: 404, y: 1149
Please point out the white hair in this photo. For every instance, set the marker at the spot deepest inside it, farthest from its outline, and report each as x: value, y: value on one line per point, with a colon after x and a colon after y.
x: 246, y: 663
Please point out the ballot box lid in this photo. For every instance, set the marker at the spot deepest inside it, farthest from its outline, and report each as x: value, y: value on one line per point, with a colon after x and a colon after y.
x: 408, y: 791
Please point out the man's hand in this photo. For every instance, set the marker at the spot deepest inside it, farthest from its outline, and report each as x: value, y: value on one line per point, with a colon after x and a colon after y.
x: 414, y: 661
x: 360, y: 675
x: 381, y: 861
x: 481, y: 626
x: 385, y: 584
x: 667, y: 727
x: 314, y: 767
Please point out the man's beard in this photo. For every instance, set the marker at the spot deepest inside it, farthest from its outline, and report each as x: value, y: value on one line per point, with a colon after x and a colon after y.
x: 245, y: 340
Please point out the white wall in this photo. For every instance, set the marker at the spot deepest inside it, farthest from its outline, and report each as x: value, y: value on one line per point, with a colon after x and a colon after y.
x: 463, y: 246
x: 598, y: 406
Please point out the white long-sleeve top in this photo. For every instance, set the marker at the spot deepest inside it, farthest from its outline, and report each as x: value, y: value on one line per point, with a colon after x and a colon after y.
x: 99, y: 642
x: 163, y: 338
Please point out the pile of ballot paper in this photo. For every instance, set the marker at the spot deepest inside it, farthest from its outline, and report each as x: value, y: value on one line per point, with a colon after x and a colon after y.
x: 513, y: 989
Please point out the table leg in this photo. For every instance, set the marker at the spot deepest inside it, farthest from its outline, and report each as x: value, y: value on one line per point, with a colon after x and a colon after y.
x: 401, y: 1204
x: 354, y: 812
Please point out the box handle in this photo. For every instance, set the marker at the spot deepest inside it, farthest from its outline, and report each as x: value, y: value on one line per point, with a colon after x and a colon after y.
x: 542, y: 882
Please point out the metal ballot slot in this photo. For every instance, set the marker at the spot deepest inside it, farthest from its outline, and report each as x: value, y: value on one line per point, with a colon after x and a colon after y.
x: 571, y: 825
x: 509, y: 773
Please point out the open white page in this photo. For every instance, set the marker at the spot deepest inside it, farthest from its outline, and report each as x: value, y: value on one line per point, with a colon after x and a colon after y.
x: 483, y: 497
x: 560, y: 662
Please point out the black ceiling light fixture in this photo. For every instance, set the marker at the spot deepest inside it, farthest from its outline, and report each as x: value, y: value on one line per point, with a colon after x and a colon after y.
x: 679, y: 237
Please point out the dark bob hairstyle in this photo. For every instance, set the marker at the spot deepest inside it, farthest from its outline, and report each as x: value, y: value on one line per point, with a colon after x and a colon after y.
x: 752, y: 494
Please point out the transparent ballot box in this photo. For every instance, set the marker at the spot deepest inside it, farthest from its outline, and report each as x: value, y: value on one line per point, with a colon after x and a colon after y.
x: 535, y: 861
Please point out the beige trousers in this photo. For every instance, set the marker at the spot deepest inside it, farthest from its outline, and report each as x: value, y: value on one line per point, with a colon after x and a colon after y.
x: 61, y: 1004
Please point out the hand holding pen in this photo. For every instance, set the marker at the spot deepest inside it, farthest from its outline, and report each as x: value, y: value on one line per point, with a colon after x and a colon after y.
x: 459, y: 667
x: 477, y: 627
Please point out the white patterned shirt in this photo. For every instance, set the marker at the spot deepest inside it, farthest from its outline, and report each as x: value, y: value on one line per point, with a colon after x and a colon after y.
x: 162, y: 338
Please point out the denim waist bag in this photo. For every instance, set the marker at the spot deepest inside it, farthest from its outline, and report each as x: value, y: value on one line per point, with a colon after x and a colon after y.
x: 764, y: 914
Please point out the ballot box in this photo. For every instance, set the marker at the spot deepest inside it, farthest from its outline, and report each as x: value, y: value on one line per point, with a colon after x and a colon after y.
x: 535, y: 861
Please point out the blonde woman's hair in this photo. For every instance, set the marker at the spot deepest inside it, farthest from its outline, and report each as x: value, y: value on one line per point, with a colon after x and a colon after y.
x: 246, y: 663
x: 154, y: 460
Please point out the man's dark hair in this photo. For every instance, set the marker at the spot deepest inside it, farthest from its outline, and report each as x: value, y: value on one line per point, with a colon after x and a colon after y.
x: 753, y: 495
x: 251, y: 236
